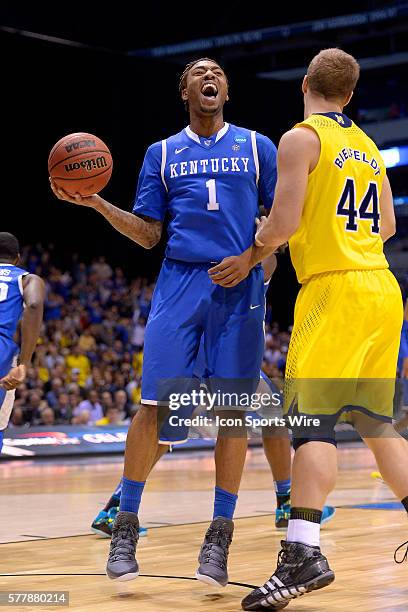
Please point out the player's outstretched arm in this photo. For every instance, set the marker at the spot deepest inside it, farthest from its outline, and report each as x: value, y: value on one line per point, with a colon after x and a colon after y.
x: 34, y: 294
x: 388, y: 224
x: 144, y: 231
x: 298, y: 153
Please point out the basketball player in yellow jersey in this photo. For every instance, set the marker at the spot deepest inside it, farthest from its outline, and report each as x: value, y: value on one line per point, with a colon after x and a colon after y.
x: 333, y: 203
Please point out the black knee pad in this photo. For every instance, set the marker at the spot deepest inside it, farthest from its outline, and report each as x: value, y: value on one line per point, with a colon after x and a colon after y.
x: 297, y: 442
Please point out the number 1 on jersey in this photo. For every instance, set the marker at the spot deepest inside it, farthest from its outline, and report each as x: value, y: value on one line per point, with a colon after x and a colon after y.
x: 212, y: 195
x: 3, y: 291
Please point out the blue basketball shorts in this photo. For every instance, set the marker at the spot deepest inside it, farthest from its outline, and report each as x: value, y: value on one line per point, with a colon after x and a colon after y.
x: 188, y: 307
x: 8, y: 353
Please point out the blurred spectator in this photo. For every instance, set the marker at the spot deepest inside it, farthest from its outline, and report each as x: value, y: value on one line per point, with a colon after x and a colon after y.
x: 122, y: 403
x: 138, y: 333
x: 106, y: 401
x: 52, y: 395
x: 63, y: 409
x: 113, y: 417
x: 35, y: 404
x: 90, y: 405
x: 83, y: 418
x: 78, y: 363
x: 17, y: 418
x: 47, y: 417
x: 87, y: 342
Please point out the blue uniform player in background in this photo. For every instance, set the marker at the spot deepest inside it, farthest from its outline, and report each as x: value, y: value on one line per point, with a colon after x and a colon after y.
x: 21, y: 296
x: 207, y: 181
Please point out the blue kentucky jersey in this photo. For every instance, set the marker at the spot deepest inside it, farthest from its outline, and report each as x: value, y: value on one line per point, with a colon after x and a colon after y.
x: 11, y: 299
x: 210, y: 189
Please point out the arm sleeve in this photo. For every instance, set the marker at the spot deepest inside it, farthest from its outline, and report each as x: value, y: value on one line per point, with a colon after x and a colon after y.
x: 151, y: 194
x: 267, y: 169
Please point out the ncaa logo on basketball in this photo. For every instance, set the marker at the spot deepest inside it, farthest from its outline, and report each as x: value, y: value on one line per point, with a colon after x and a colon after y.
x: 80, y: 144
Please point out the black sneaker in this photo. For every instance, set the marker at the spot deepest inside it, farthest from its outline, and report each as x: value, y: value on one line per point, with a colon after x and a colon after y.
x: 213, y: 555
x: 300, y: 569
x: 122, y: 564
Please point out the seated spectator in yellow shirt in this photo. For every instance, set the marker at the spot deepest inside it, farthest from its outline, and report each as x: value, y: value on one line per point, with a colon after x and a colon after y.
x: 112, y: 417
x: 138, y: 362
x: 76, y: 360
x: 87, y: 342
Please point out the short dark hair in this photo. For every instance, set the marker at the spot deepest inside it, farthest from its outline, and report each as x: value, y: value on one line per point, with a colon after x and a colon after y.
x: 188, y: 67
x: 9, y: 247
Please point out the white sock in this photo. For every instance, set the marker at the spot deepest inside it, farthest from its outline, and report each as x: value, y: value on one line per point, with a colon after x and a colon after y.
x: 304, y: 532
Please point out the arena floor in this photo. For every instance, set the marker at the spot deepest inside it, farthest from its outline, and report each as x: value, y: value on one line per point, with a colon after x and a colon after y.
x: 46, y: 542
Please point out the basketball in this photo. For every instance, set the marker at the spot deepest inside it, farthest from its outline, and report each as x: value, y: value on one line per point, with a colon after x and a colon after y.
x: 80, y: 163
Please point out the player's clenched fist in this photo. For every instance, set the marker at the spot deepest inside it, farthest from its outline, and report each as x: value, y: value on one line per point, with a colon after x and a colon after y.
x: 232, y: 270
x: 14, y: 378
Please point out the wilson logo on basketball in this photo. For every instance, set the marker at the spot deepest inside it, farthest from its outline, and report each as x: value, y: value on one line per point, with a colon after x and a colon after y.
x: 80, y: 144
x: 87, y: 164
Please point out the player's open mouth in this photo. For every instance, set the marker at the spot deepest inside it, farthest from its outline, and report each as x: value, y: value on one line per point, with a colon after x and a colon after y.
x: 209, y: 90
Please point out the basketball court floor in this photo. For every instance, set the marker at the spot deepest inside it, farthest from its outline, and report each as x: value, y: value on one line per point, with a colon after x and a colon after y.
x: 46, y: 509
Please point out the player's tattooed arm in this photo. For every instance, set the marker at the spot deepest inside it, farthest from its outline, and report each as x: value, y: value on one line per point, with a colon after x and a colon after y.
x: 142, y: 230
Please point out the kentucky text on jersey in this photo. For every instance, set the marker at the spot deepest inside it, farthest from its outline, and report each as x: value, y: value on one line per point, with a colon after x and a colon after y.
x: 209, y: 190
x: 360, y: 156
x: 214, y: 164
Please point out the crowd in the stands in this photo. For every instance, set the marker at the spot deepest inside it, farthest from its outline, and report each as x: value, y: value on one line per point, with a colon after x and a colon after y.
x: 88, y: 363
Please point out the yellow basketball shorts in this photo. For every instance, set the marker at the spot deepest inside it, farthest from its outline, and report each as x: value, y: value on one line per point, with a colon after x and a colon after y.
x: 344, y: 345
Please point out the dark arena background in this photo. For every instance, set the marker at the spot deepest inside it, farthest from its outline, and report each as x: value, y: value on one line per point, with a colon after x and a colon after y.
x: 113, y: 71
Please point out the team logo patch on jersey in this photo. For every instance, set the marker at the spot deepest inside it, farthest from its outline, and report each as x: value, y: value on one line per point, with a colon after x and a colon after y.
x: 240, y: 139
x: 340, y: 119
x: 236, y: 147
x: 208, y: 143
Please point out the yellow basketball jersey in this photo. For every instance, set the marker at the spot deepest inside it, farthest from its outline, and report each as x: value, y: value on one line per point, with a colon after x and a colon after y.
x: 340, y: 225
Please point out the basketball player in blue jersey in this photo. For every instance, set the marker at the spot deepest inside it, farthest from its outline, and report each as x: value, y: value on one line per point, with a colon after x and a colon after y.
x: 276, y: 446
x: 208, y: 181
x: 21, y: 296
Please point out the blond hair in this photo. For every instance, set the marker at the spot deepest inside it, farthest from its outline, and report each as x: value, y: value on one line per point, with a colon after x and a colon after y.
x: 333, y: 73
